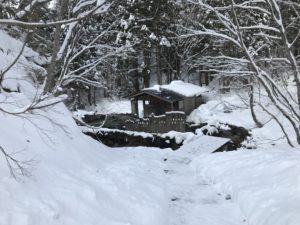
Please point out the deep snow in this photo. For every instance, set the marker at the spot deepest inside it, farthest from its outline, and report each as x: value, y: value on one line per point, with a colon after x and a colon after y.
x: 75, y: 180
x: 264, y: 183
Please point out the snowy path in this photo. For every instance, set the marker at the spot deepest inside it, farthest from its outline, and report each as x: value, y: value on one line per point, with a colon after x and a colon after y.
x: 194, y: 200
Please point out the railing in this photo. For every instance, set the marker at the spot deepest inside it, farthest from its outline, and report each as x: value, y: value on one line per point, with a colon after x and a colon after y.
x: 158, y: 124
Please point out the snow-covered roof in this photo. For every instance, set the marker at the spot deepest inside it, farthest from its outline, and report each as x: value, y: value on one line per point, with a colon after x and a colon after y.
x: 180, y: 87
x: 164, y: 95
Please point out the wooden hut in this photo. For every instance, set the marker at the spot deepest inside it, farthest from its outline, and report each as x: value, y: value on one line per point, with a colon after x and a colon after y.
x: 159, y: 99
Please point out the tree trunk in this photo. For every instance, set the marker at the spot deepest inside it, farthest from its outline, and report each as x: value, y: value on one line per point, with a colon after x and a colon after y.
x: 146, y: 69
x: 257, y: 123
x: 178, y: 67
x: 158, y: 65
x: 135, y: 75
x: 51, y: 70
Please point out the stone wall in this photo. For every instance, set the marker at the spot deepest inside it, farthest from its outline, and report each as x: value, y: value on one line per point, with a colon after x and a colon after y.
x: 115, y: 138
x: 158, y: 124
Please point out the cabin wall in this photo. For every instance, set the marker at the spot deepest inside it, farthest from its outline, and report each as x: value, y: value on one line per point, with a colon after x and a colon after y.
x: 134, y: 107
x: 156, y: 106
x: 189, y: 104
x: 198, y: 101
x: 178, y: 106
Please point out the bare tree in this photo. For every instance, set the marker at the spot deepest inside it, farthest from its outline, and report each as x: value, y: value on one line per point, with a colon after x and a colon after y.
x: 70, y: 19
x: 81, y: 10
x: 254, y: 39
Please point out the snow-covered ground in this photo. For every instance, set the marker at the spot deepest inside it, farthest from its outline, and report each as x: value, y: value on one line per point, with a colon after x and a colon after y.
x: 75, y: 180
x: 234, y: 110
x: 225, y: 109
x: 112, y: 105
x: 264, y: 184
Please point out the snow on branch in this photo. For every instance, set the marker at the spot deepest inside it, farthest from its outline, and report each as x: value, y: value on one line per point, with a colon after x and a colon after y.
x: 29, y: 8
x: 99, y: 8
x: 229, y: 24
x: 260, y: 26
x: 40, y: 103
x: 208, y: 32
x: 83, y: 3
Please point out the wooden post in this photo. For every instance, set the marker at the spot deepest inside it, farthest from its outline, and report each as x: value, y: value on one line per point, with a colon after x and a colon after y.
x: 134, y: 107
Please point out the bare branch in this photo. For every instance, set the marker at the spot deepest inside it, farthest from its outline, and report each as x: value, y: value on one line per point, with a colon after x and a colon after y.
x: 17, y: 167
x: 30, y: 25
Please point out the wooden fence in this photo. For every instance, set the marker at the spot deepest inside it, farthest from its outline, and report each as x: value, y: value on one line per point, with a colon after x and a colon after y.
x: 158, y: 124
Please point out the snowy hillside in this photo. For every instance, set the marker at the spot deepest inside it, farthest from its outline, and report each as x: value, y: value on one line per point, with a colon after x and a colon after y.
x: 70, y: 178
x: 74, y: 179
x: 26, y: 71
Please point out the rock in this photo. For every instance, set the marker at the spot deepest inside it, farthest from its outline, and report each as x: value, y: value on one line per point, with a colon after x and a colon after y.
x: 121, y: 139
x: 118, y: 139
x: 113, y: 121
x: 236, y: 134
x: 228, y: 197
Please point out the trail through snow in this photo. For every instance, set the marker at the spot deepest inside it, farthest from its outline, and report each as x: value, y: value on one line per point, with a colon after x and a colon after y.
x: 194, y: 199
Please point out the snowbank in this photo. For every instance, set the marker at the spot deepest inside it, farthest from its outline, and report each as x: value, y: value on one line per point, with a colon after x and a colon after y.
x: 233, y: 110
x: 265, y: 184
x: 115, y: 105
x: 76, y: 180
x: 22, y: 75
x: 229, y: 109
x: 204, y: 144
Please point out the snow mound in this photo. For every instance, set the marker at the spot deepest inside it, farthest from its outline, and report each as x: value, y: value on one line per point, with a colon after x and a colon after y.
x: 23, y: 75
x: 204, y: 144
x: 76, y: 180
x: 111, y: 106
x: 265, y: 184
x: 235, y: 113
